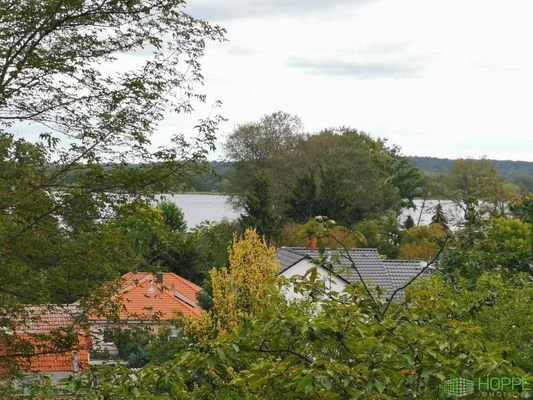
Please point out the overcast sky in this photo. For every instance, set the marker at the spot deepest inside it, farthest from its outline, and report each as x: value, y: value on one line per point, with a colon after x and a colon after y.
x: 438, y: 78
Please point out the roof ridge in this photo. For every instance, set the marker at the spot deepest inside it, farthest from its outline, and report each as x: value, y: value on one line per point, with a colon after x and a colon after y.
x: 185, y: 281
x: 135, y: 284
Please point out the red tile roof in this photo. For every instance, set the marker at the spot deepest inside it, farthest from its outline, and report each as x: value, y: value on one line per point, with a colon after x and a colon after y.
x: 143, y: 298
x: 37, y: 325
x: 44, y: 319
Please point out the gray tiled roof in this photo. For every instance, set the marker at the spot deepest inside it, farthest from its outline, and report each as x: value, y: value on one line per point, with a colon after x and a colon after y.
x: 402, y: 271
x: 387, y: 274
x: 287, y: 258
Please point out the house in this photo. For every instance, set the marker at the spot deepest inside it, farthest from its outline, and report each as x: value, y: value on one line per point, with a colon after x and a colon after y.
x: 49, y: 339
x: 338, y: 272
x: 56, y: 340
x: 145, y: 300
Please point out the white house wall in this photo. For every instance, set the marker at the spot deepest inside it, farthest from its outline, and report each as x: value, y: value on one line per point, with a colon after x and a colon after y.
x: 332, y: 281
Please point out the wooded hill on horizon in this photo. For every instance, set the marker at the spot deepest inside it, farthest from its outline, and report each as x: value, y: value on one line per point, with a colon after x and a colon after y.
x: 518, y: 172
x: 508, y: 169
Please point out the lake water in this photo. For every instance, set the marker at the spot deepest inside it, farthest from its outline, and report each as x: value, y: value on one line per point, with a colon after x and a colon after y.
x: 206, y: 207
x: 198, y: 208
x: 426, y: 209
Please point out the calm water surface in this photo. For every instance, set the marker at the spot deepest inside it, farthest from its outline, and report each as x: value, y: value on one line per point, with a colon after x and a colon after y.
x: 203, y: 207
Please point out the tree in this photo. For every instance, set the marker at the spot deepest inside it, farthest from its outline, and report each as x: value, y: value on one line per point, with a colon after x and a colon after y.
x: 342, y: 173
x: 336, y: 351
x: 240, y: 291
x: 145, y: 228
x: 382, y: 233
x: 255, y: 147
x: 422, y: 242
x: 355, y: 176
x: 173, y: 216
x: 308, y: 235
x: 500, y: 306
x: 154, y: 233
x: 523, y: 208
x: 471, y: 178
x: 52, y: 78
x: 90, y: 124
x: 409, y: 222
x: 304, y: 202
x: 472, y: 181
x: 259, y: 208
x: 439, y: 217
x: 259, y: 142
x: 504, y: 244
x: 351, y: 344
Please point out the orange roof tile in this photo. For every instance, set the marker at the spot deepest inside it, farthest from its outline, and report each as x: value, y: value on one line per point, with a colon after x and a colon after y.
x: 43, y: 319
x: 143, y: 298
x: 59, y: 362
x: 36, y: 323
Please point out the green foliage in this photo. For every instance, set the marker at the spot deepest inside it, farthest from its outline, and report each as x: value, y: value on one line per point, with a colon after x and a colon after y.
x: 192, y: 255
x: 523, y: 208
x: 156, y: 235
x: 471, y: 178
x: 138, y: 346
x: 94, y: 121
x: 172, y: 216
x: 215, y: 179
x: 501, y: 306
x: 440, y: 217
x: 518, y: 172
x: 382, y: 233
x: 52, y: 240
x: 312, y: 233
x: 214, y: 241
x: 131, y: 343
x: 433, y: 169
x: 355, y: 177
x: 501, y: 243
x: 164, y: 346
x: 336, y: 351
x: 329, y: 345
x: 304, y: 202
x: 342, y: 173
x: 422, y: 242
x: 259, y: 142
x: 409, y: 222
x: 92, y: 126
x: 259, y: 208
x: 144, y: 226
x: 470, y: 181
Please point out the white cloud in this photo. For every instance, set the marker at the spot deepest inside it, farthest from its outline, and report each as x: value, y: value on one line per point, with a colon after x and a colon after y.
x: 399, y: 69
x: 216, y: 10
x: 449, y: 79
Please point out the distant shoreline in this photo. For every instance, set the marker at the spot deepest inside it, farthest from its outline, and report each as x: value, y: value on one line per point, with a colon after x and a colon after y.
x: 228, y: 194
x: 198, y: 193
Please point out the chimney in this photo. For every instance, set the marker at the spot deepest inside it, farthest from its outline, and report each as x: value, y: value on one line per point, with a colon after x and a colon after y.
x: 159, y: 278
x: 313, y: 242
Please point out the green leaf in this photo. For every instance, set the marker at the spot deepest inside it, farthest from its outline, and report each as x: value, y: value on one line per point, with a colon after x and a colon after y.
x: 211, y: 361
x: 380, y: 386
x: 326, y: 382
x: 221, y: 354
